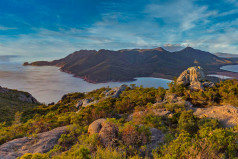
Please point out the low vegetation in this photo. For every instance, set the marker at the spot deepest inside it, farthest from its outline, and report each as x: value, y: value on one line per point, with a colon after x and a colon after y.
x: 185, y: 135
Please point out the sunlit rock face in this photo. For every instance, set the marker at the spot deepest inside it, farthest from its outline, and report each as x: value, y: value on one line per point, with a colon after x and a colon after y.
x: 191, y: 75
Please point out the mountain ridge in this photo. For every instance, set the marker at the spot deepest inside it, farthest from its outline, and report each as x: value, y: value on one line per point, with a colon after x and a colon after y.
x: 126, y: 64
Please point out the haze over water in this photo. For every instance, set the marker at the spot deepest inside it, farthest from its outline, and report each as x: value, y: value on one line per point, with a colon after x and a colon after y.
x: 49, y: 84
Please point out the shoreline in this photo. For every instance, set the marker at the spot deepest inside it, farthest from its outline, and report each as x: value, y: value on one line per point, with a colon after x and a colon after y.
x: 228, y: 73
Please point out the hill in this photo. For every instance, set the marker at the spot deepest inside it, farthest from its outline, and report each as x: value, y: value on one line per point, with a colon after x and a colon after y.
x: 12, y: 101
x: 125, y: 65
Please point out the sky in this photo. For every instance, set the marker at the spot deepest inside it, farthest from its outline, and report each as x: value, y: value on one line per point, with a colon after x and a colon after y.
x: 51, y: 29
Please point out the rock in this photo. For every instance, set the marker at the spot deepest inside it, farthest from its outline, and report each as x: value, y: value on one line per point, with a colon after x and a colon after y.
x: 227, y: 115
x: 96, y: 126
x: 193, y: 76
x: 42, y: 143
x: 161, y: 112
x: 108, y: 135
x: 85, y: 103
x: 114, y: 92
x: 134, y: 115
x: 157, y: 137
x: 108, y: 132
x: 172, y: 98
x: 208, y: 84
x: 79, y: 104
x: 195, y: 85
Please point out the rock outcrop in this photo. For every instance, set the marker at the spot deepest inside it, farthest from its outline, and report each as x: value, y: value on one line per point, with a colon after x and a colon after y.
x: 227, y: 115
x: 108, y: 132
x: 192, y: 74
x: 194, y: 77
x: 109, y: 93
x: 96, y: 126
x: 42, y: 143
x: 108, y: 135
x: 114, y: 92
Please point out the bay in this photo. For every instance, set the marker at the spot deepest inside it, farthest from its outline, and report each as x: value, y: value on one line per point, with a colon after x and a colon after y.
x: 48, y: 84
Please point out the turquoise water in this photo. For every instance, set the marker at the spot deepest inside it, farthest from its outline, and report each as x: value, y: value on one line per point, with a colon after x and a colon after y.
x: 49, y: 84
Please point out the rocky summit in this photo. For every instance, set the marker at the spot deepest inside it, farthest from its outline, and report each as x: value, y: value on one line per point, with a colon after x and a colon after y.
x: 194, y: 77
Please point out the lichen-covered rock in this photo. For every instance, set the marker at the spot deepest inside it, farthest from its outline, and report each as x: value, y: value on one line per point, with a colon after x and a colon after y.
x: 42, y: 143
x: 108, y: 135
x: 227, y: 115
x: 96, y: 126
x: 191, y: 75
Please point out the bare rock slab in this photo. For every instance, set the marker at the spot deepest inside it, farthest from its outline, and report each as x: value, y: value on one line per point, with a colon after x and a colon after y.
x: 42, y: 143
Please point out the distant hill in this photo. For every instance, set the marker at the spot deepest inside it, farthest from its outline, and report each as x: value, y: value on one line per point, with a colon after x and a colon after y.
x: 124, y: 65
x: 226, y: 55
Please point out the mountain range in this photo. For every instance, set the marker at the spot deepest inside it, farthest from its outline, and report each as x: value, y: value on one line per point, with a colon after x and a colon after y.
x: 124, y: 65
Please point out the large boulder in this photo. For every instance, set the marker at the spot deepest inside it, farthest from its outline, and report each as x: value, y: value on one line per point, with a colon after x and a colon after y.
x: 227, y: 115
x: 192, y: 74
x: 108, y: 132
x: 108, y: 135
x: 42, y: 143
x: 96, y: 126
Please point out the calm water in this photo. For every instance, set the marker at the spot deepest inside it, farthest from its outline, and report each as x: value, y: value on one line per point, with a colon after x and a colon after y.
x: 49, y: 84
x: 233, y: 68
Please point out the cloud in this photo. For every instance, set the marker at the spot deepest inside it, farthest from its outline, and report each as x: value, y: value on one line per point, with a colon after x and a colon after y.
x: 174, y: 47
x: 183, y: 14
x: 3, y: 28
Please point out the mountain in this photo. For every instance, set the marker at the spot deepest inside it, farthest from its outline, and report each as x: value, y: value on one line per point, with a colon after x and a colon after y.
x: 226, y: 55
x: 125, y: 65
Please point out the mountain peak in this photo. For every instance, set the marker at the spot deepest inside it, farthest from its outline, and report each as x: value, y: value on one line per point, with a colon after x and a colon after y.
x: 159, y: 49
x: 189, y: 48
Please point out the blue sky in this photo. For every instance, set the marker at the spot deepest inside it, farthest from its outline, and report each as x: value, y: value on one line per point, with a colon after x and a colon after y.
x: 54, y: 28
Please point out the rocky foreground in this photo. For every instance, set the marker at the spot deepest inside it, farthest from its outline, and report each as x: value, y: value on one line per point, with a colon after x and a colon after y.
x: 194, y: 114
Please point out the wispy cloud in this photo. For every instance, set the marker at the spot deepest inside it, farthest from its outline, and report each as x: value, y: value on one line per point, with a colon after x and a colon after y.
x: 6, y: 28
x: 120, y: 24
x: 183, y: 14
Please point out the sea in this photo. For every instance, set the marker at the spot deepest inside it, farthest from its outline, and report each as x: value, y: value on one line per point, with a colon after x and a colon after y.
x: 48, y: 84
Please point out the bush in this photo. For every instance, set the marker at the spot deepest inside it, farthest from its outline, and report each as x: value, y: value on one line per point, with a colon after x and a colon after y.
x: 187, y: 122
